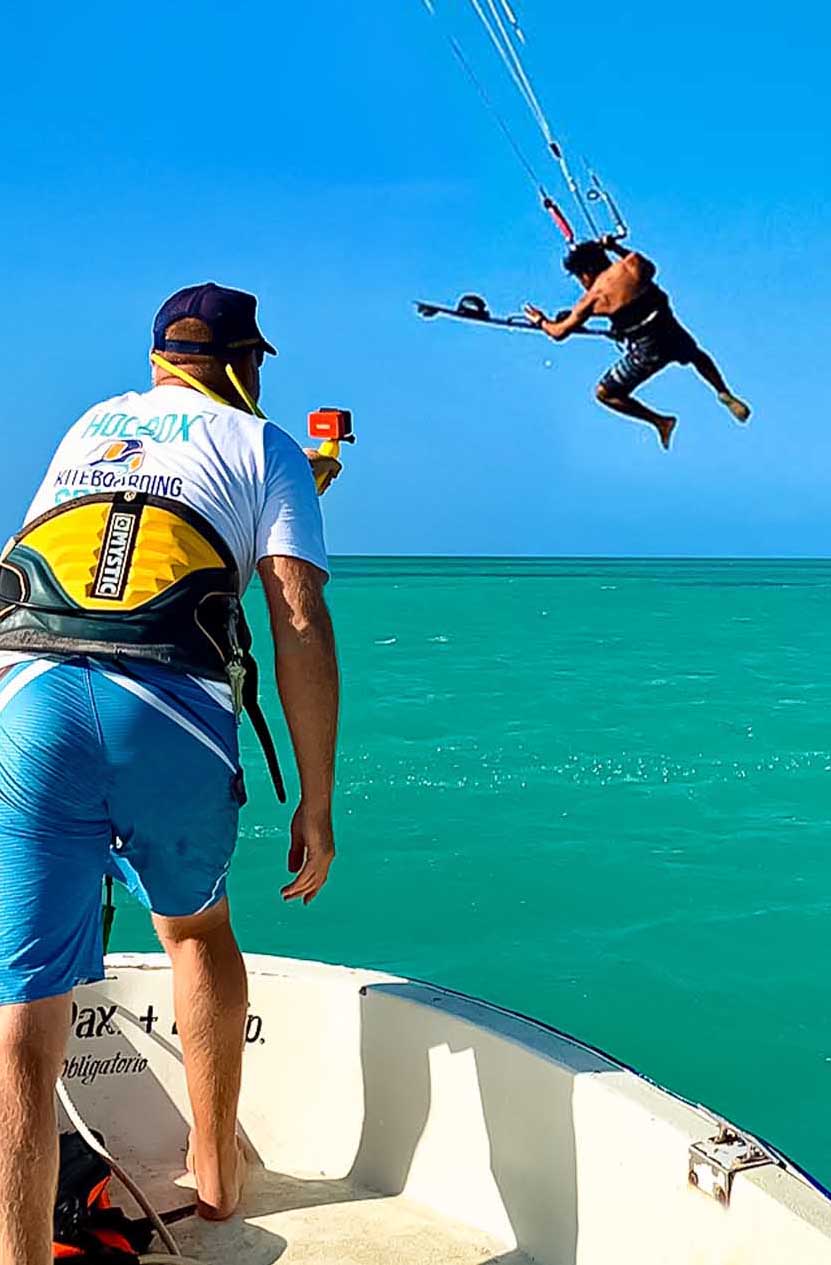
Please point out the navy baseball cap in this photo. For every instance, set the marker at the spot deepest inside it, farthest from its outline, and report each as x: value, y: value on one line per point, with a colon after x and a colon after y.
x: 231, y: 316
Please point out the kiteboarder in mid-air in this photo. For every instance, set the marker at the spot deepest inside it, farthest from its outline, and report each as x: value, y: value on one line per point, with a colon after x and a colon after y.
x: 625, y: 292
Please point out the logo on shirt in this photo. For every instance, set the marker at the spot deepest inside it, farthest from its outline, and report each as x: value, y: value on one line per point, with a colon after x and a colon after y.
x: 116, y: 554
x: 125, y: 453
x: 164, y: 428
x: 114, y: 467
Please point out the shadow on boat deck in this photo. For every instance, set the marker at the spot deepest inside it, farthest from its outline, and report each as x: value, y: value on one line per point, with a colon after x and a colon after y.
x: 444, y: 1091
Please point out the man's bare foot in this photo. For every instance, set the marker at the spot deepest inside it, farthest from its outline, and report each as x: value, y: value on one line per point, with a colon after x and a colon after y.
x: 737, y: 407
x: 218, y: 1184
x: 665, y: 426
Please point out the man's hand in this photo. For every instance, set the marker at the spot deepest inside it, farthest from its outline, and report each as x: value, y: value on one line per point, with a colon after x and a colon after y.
x: 566, y: 323
x: 311, y: 853
x: 554, y: 329
x: 324, y: 469
x: 614, y: 246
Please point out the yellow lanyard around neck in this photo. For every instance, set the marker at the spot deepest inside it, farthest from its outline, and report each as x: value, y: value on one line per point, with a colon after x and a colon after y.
x: 178, y: 372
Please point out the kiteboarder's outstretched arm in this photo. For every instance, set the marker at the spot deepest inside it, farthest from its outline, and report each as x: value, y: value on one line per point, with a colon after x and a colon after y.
x: 561, y: 329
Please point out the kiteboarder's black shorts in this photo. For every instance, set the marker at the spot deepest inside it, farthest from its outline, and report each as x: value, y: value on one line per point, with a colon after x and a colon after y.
x: 660, y: 343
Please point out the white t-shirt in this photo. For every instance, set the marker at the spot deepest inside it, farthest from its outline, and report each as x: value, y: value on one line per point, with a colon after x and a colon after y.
x: 247, y: 477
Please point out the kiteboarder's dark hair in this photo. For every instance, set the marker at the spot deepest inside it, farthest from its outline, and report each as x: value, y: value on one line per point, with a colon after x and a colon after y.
x: 586, y: 257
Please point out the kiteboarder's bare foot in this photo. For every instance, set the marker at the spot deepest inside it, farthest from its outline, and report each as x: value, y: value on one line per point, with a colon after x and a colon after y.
x: 218, y: 1183
x: 665, y: 426
x: 737, y: 407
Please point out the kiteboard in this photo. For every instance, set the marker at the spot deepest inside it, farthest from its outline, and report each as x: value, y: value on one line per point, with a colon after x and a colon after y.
x: 472, y: 307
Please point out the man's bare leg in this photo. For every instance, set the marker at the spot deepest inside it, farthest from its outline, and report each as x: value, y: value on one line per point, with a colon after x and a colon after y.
x: 707, y: 369
x: 211, y: 1001
x: 664, y: 423
x: 32, y: 1042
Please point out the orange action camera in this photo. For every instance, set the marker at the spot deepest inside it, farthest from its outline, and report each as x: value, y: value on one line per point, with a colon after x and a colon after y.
x: 331, y: 423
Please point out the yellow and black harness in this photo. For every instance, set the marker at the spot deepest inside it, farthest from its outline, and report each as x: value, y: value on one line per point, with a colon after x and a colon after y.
x: 129, y: 576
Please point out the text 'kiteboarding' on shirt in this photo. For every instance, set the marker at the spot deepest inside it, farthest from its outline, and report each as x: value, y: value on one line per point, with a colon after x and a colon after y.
x: 114, y: 467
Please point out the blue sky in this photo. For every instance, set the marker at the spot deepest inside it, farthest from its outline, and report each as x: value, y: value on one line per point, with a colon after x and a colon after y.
x: 332, y: 157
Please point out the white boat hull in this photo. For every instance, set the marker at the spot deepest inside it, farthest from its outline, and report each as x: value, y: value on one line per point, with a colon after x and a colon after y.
x: 397, y: 1122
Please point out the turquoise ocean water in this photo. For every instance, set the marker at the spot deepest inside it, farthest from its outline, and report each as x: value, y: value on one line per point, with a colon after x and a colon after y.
x: 596, y: 792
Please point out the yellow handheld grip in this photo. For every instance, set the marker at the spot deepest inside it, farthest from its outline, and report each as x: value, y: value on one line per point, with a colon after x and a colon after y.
x: 329, y: 448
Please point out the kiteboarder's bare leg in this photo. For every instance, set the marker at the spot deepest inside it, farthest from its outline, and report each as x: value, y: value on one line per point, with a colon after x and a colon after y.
x: 664, y: 423
x: 32, y: 1039
x: 707, y: 368
x: 211, y: 1001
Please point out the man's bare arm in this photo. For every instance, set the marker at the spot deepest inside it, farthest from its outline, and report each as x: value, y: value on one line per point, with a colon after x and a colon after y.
x: 559, y: 330
x: 646, y: 268
x: 307, y: 679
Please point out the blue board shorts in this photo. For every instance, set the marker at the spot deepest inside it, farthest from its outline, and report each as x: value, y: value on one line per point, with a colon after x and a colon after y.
x: 129, y: 771
x: 663, y: 342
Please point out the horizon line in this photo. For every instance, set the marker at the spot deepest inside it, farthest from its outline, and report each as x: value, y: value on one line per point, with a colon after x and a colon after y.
x: 577, y: 557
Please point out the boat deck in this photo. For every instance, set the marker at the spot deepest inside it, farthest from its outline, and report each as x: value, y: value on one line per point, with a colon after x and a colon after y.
x: 299, y: 1222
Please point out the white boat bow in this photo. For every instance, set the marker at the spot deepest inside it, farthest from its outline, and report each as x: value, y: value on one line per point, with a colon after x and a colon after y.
x: 395, y: 1122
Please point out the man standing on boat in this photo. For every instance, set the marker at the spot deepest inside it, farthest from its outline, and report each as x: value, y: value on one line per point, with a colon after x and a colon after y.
x: 124, y: 666
x: 642, y: 319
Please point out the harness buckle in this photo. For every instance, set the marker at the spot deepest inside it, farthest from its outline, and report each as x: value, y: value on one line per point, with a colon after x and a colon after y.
x: 235, y: 669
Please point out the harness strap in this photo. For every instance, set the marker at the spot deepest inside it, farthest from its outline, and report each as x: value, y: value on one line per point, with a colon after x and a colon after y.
x: 251, y: 703
x: 647, y: 320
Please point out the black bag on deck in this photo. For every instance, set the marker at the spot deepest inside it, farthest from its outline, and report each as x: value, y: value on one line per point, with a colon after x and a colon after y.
x: 86, y: 1226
